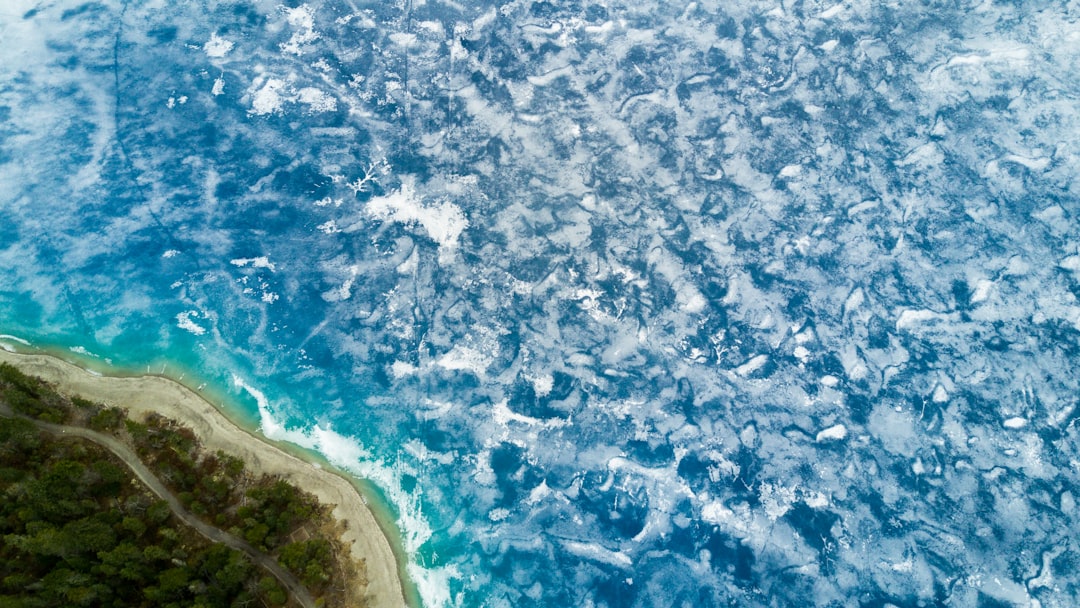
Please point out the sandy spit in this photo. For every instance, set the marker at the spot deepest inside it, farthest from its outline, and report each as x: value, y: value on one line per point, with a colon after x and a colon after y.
x: 144, y: 394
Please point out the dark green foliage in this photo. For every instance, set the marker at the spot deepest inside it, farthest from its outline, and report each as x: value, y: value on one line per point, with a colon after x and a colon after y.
x: 311, y: 560
x: 107, y: 419
x: 273, y: 509
x: 75, y: 531
x: 31, y: 396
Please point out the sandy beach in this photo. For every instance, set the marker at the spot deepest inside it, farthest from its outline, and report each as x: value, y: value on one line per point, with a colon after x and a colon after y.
x: 141, y: 395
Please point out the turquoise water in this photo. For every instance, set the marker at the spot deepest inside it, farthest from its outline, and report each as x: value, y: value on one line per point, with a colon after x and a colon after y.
x: 616, y: 304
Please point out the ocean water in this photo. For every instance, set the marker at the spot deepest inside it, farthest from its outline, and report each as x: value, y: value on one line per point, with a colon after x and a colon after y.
x: 643, y: 303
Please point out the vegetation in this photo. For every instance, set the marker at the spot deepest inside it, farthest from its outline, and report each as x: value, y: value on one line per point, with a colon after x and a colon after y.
x: 75, y: 530
x: 73, y: 522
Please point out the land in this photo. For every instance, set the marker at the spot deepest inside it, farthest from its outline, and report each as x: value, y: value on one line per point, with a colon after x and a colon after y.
x: 149, y: 397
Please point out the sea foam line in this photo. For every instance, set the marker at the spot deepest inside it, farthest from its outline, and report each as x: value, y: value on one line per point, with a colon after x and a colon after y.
x: 349, y: 454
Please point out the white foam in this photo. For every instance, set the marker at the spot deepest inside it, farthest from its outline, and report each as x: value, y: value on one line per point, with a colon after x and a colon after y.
x: 14, y: 339
x: 349, y: 454
x: 81, y: 350
x: 183, y: 321
x: 433, y: 584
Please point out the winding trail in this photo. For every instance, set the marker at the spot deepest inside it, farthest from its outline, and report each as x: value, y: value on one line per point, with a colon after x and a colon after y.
x: 217, y: 535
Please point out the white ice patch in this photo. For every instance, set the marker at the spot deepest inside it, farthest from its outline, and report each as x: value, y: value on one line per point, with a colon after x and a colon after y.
x: 400, y: 369
x: 751, y: 366
x: 910, y: 318
x: 184, y: 321
x: 328, y: 227
x: 595, y: 552
x: 268, y: 99
x: 464, y: 358
x: 316, y: 100
x: 259, y: 262
x: 833, y: 433
x: 981, y: 291
x: 442, y: 221
x: 542, y: 384
x: 791, y: 171
x: 303, y: 19
x: 1016, y: 422
x: 502, y: 415
x: 940, y: 394
x: 776, y: 499
x: 217, y: 47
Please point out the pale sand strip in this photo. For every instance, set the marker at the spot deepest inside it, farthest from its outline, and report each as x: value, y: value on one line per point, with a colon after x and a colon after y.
x: 144, y: 394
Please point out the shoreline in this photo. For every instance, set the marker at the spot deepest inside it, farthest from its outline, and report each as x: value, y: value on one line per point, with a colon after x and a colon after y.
x: 368, y: 538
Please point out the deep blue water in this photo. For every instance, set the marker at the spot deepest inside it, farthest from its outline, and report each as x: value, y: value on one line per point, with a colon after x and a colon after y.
x: 619, y: 304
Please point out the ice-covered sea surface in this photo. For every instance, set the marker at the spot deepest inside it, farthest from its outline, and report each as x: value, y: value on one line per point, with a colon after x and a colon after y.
x: 749, y: 303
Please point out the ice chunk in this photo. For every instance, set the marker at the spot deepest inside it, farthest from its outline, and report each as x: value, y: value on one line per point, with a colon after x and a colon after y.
x: 833, y: 433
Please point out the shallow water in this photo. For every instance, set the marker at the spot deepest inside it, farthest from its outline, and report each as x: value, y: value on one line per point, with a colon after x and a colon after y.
x: 617, y: 304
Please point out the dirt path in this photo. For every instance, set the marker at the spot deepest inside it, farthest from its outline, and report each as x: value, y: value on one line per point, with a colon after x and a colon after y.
x: 217, y: 535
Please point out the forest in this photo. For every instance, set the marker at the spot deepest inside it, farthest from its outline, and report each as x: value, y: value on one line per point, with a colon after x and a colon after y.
x: 77, y: 528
